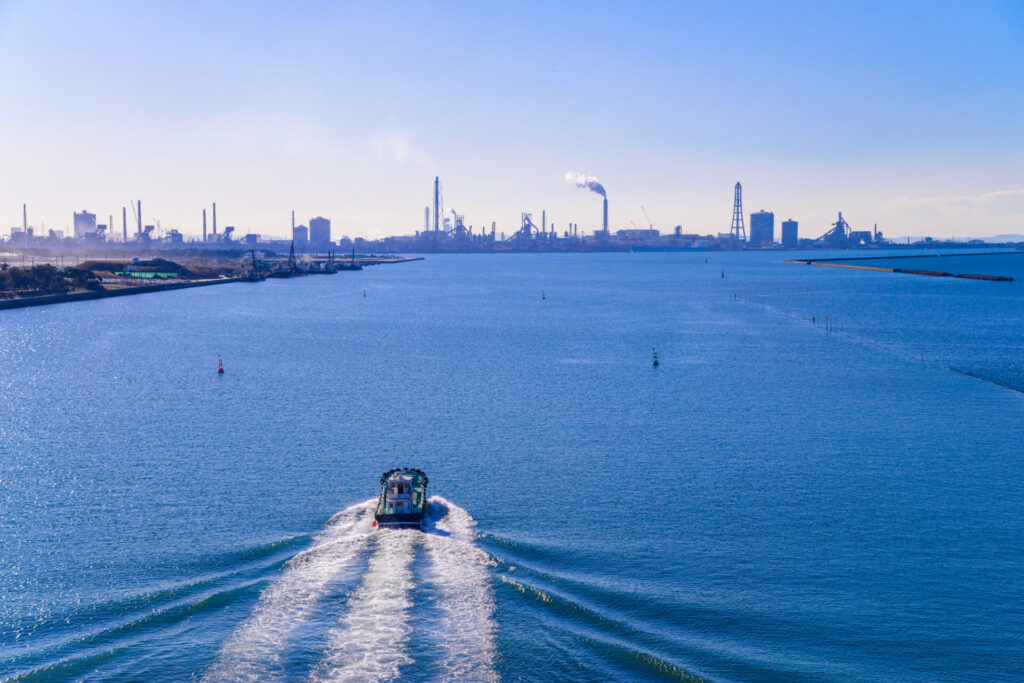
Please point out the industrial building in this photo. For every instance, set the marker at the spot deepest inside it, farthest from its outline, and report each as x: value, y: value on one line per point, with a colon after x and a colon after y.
x: 762, y: 228
x: 85, y: 224
x: 790, y: 238
x: 447, y: 230
x: 319, y: 233
x: 300, y: 235
x: 842, y: 236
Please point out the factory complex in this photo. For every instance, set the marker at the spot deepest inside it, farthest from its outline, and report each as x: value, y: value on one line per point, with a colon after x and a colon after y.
x: 443, y: 231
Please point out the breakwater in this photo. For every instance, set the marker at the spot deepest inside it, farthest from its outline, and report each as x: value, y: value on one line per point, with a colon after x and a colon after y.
x: 47, y: 299
x: 835, y: 263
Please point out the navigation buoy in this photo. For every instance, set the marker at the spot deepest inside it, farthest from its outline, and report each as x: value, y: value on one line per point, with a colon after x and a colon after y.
x: 364, y: 293
x: 655, y: 357
x: 543, y: 295
x: 723, y: 273
x: 220, y: 365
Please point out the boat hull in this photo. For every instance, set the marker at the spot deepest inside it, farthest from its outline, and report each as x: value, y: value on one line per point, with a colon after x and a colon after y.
x: 409, y: 520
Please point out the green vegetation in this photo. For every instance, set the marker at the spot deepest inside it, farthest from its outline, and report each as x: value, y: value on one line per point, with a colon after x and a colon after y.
x: 45, y: 279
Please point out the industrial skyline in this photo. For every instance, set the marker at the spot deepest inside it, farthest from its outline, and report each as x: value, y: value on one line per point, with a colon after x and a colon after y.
x: 903, y: 114
x: 442, y: 233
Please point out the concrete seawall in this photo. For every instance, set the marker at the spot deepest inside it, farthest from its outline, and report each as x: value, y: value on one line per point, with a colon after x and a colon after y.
x: 908, y: 271
x: 48, y: 299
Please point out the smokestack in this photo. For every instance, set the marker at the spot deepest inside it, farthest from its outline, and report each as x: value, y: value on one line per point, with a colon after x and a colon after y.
x: 204, y: 225
x: 124, y: 223
x: 293, y: 220
x: 543, y: 221
x: 437, y: 203
x: 426, y: 219
x: 139, y: 232
x: 604, y: 224
x: 24, y: 218
x: 215, y: 219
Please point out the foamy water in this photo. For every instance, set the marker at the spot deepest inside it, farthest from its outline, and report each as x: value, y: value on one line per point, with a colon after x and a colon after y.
x: 369, y: 640
x: 257, y: 649
x: 459, y: 569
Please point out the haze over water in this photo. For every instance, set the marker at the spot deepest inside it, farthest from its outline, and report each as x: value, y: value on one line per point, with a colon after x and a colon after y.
x: 774, y: 502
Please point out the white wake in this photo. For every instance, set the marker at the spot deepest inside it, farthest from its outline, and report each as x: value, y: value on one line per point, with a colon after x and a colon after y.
x: 460, y: 571
x: 371, y: 638
x: 256, y: 650
x: 370, y: 642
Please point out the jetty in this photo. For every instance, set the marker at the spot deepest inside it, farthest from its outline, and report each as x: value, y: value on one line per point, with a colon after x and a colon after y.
x: 846, y: 263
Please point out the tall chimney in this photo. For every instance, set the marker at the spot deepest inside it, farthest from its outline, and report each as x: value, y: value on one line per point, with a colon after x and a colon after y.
x: 293, y: 221
x: 543, y: 221
x: 437, y: 203
x: 215, y: 219
x: 124, y: 223
x: 604, y: 224
x: 204, y: 225
x: 426, y: 219
x: 24, y: 218
x: 139, y: 232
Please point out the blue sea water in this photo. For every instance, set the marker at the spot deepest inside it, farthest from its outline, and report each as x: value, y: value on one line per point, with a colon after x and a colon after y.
x: 803, y: 490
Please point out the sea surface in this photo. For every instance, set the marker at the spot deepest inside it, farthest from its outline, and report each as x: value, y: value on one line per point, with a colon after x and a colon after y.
x: 823, y: 480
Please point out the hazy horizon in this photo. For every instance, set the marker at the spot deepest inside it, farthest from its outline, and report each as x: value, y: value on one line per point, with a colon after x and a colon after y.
x: 902, y: 115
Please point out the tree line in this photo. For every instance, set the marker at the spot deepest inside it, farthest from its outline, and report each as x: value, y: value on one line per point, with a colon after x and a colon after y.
x: 45, y: 279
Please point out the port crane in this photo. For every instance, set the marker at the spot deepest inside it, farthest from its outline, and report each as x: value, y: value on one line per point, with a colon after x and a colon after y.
x: 650, y: 223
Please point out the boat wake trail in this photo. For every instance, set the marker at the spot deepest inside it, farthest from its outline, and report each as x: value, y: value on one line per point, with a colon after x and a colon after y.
x: 370, y: 643
x: 340, y: 617
x: 256, y: 651
x: 459, y: 570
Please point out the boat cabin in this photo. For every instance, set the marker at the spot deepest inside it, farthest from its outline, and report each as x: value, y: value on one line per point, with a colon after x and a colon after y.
x: 399, y: 498
x: 403, y: 499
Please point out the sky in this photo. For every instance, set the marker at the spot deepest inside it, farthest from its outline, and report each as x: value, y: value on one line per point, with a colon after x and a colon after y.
x: 905, y: 114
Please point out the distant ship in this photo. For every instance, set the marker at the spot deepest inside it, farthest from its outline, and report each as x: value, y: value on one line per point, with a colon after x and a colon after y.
x: 642, y: 248
x: 350, y: 265
x: 403, y: 499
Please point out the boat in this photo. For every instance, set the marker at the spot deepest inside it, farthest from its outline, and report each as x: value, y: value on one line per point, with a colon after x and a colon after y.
x: 350, y: 265
x: 403, y: 499
x: 254, y: 274
x: 290, y: 270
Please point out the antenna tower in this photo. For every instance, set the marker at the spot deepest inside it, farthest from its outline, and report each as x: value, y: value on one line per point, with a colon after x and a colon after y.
x: 737, y: 231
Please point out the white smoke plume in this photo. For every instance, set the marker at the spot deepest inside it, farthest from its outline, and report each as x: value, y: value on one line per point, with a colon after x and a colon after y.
x: 588, y: 182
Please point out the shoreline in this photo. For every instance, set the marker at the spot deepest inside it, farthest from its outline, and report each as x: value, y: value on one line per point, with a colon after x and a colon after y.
x: 47, y: 299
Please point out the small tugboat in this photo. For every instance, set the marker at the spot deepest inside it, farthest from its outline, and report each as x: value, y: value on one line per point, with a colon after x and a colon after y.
x: 403, y: 499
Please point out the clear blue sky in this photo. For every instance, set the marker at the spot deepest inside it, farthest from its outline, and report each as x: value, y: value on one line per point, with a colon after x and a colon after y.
x: 907, y: 114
